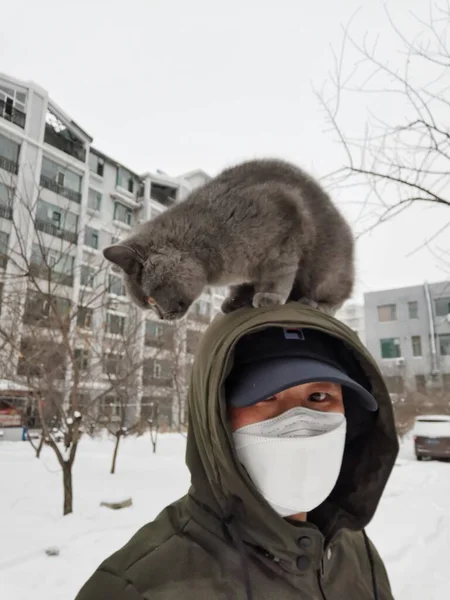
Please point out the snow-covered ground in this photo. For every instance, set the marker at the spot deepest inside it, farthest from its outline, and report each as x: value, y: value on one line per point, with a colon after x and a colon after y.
x: 411, y: 528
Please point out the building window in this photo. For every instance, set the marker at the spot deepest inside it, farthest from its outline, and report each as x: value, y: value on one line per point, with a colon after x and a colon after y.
x: 115, y: 285
x: 61, y: 180
x: 84, y: 317
x: 9, y: 154
x: 159, y: 335
x: 109, y: 408
x: 46, y: 310
x: 444, y: 344
x: 94, y: 200
x: 18, y: 97
x: 40, y: 358
x: 163, y: 194
x: 387, y: 312
x: 81, y: 358
x: 157, y: 372
x: 91, y: 237
x: 112, y: 363
x: 96, y: 164
x: 161, y: 370
x: 153, y: 333
x: 87, y: 276
x: 442, y: 307
x: 4, y: 242
x: 390, y: 348
x: 413, y: 309
x: 125, y: 179
x: 59, y: 264
x: 6, y: 200
x: 122, y: 213
x: 115, y: 324
x: 56, y: 221
x: 416, y: 345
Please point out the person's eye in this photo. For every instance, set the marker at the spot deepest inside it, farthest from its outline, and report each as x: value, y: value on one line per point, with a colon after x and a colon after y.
x: 270, y: 399
x: 318, y: 397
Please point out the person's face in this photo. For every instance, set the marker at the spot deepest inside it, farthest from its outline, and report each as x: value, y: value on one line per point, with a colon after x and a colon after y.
x: 318, y: 395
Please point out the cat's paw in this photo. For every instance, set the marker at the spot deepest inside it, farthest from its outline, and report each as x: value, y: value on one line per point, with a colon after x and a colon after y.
x: 232, y: 304
x: 308, y: 302
x: 267, y: 299
x: 322, y: 306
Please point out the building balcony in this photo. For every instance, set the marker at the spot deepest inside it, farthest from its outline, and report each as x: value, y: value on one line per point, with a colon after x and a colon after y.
x: 55, y: 231
x: 52, y: 185
x: 9, y: 165
x: 6, y: 211
x: 44, y: 272
x: 14, y: 115
x: 164, y: 193
x: 162, y: 198
x: 71, y: 147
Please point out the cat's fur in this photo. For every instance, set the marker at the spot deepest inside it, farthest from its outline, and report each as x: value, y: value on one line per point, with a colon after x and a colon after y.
x: 263, y: 227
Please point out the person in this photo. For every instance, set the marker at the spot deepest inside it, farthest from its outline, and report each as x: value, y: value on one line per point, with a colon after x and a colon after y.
x: 290, y: 444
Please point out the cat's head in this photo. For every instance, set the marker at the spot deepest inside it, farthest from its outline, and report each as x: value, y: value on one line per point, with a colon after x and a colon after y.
x: 167, y: 282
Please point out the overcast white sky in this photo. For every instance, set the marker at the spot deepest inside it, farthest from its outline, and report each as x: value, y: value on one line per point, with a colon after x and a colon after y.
x: 185, y: 84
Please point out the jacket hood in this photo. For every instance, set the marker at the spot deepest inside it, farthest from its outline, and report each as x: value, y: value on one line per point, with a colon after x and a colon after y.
x: 220, y: 482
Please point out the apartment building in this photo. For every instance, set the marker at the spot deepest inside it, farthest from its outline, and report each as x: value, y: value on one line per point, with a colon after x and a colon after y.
x: 408, y: 332
x: 53, y: 181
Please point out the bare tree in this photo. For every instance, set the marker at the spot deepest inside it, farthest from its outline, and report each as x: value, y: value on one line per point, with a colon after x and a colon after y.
x: 119, y: 412
x: 153, y: 424
x: 405, y: 160
x: 58, y: 336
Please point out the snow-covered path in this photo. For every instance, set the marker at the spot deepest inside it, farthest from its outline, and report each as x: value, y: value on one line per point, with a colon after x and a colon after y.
x: 411, y: 528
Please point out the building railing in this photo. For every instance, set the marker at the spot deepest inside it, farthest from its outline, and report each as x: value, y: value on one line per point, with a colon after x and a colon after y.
x: 162, y: 197
x: 40, y: 270
x: 51, y: 184
x: 9, y: 165
x: 10, y: 113
x: 6, y: 211
x: 71, y: 147
x: 52, y: 229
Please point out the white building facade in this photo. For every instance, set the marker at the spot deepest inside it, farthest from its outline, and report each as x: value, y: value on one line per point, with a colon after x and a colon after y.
x: 80, y: 200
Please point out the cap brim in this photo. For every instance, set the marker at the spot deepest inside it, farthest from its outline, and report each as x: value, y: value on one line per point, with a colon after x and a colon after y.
x: 261, y: 380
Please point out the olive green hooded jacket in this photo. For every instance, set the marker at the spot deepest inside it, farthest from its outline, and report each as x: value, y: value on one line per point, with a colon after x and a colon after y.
x: 222, y: 540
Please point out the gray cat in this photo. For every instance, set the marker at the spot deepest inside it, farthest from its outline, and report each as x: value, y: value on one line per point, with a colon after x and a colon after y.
x: 264, y: 227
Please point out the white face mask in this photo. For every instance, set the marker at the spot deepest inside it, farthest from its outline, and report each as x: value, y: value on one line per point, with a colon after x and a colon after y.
x: 294, y: 459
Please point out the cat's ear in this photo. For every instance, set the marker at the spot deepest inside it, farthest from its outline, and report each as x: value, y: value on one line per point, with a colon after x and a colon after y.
x: 122, y: 256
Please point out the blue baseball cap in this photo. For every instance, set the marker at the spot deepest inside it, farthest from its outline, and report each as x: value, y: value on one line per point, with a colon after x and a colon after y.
x: 276, y: 358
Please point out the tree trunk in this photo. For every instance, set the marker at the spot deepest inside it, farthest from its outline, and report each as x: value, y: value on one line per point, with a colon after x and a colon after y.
x: 68, y: 495
x: 116, y: 449
x: 154, y: 445
x: 37, y: 448
x: 40, y: 446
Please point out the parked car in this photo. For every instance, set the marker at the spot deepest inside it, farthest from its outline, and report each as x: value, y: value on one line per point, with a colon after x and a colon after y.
x: 432, y: 436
